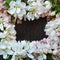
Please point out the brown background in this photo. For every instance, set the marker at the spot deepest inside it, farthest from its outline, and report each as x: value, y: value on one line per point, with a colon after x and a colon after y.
x: 31, y: 30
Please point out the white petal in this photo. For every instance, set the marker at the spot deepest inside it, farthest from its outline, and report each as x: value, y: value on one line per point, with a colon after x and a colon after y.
x: 12, y: 11
x: 1, y: 52
x: 10, y: 52
x: 5, y: 56
x: 18, y: 10
x: 13, y: 57
x: 1, y: 27
x: 2, y: 35
x: 40, y: 58
x: 30, y: 56
x: 30, y: 16
x: 44, y: 56
x: 12, y: 4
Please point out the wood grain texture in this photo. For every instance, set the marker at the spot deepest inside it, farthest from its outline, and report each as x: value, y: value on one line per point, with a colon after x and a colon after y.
x: 31, y: 30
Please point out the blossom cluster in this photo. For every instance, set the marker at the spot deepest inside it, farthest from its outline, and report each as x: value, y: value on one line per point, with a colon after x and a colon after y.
x: 7, y: 31
x: 33, y: 50
x: 32, y: 10
x: 52, y: 29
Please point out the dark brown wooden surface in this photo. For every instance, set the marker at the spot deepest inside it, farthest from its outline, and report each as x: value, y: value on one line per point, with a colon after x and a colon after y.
x: 31, y: 30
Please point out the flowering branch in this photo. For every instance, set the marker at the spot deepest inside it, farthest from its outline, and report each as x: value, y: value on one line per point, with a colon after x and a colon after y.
x: 35, y: 50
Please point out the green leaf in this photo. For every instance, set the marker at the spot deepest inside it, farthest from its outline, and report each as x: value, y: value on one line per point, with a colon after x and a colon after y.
x: 58, y: 27
x: 1, y: 21
x: 49, y: 57
x: 0, y: 39
x: 8, y: 1
x: 51, y: 1
x: 55, y: 2
x: 57, y: 8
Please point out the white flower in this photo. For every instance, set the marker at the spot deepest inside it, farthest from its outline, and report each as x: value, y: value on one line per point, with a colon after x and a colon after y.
x: 30, y: 1
x: 4, y: 50
x: 30, y: 16
x: 35, y: 8
x: 7, y: 19
x: 32, y: 11
x: 11, y: 32
x: 48, y: 5
x: 17, y: 9
x: 30, y: 56
x: 32, y: 47
x: 51, y: 29
x: 42, y: 57
x: 19, y: 49
x: 14, y: 57
x: 7, y: 30
x: 3, y: 35
x: 52, y: 13
x: 55, y: 52
x: 1, y: 27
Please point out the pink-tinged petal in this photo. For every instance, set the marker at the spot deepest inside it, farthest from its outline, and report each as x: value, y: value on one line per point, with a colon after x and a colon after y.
x: 4, y: 15
x: 1, y: 0
x: 57, y: 33
x: 46, y: 14
x: 4, y: 7
x: 48, y: 18
x: 57, y: 16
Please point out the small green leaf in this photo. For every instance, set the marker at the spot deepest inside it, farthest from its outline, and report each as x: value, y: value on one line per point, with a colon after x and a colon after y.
x: 8, y: 1
x: 57, y: 8
x: 55, y: 2
x: 1, y: 21
x: 49, y: 57
x: 58, y: 27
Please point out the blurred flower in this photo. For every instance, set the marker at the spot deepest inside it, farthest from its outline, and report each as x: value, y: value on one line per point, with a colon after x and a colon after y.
x: 55, y: 52
x: 52, y: 13
x: 1, y: 0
